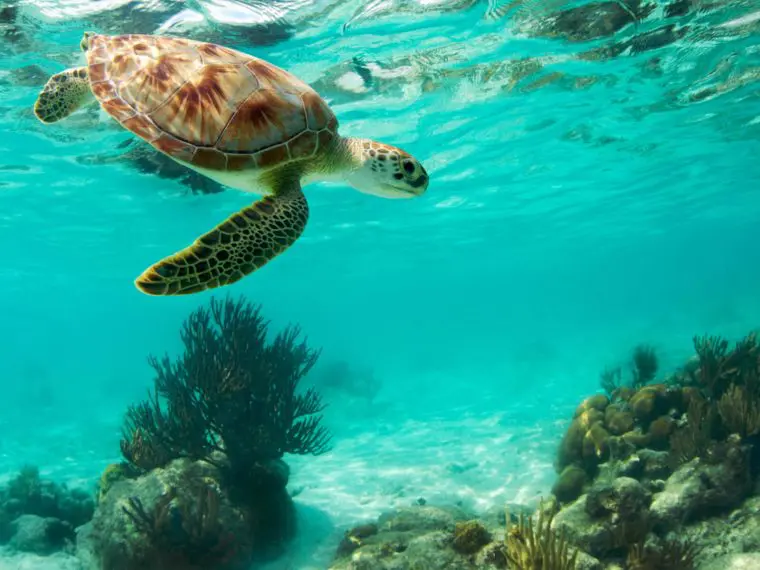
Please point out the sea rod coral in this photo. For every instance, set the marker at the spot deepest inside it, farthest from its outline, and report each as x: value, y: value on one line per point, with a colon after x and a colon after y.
x: 230, y: 392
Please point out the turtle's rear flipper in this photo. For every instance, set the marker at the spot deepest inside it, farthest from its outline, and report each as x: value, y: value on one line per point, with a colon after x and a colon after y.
x: 63, y: 94
x: 240, y: 245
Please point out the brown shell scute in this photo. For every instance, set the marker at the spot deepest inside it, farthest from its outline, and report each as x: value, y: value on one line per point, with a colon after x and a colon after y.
x: 172, y: 146
x: 317, y: 113
x: 304, y: 145
x: 143, y: 127
x: 206, y: 104
x: 266, y: 118
x: 201, y: 108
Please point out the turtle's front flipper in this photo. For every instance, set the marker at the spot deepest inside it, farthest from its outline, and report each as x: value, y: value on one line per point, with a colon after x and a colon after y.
x: 242, y: 244
x: 63, y: 94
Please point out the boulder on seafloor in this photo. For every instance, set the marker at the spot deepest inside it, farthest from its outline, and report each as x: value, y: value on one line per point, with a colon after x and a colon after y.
x: 587, y: 562
x: 609, y: 512
x: 593, y: 536
x: 624, y: 497
x: 697, y: 502
x: 422, y: 536
x: 182, y: 514
x: 470, y: 537
x: 40, y: 535
x: 724, y: 534
x: 85, y: 548
x: 29, y: 494
x: 422, y: 518
x: 699, y: 489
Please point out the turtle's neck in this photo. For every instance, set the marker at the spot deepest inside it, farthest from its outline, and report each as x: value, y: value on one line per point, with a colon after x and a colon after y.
x: 342, y: 158
x: 336, y: 163
x: 349, y: 153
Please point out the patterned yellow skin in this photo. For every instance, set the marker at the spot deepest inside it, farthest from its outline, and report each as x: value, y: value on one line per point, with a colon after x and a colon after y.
x: 239, y: 120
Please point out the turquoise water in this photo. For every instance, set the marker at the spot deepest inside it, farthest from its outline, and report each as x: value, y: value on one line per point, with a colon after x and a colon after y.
x: 573, y: 212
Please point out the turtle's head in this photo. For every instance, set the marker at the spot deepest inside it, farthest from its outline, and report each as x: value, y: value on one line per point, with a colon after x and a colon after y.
x: 85, y: 43
x: 384, y: 170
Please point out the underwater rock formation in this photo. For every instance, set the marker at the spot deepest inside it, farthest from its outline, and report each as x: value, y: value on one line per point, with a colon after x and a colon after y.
x: 32, y: 533
x: 203, y: 484
x: 40, y: 516
x: 438, y: 538
x: 470, y: 537
x: 420, y: 535
x: 649, y: 462
x: 183, y: 516
x: 699, y: 488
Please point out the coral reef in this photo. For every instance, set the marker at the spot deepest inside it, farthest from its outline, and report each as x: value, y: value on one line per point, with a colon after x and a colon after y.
x: 649, y: 474
x: 645, y: 463
x: 203, y: 484
x: 656, y: 474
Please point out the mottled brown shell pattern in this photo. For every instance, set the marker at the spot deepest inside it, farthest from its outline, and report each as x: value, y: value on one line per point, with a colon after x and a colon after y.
x: 207, y: 105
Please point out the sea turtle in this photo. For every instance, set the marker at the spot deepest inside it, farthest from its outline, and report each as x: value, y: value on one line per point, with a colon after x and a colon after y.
x: 242, y: 122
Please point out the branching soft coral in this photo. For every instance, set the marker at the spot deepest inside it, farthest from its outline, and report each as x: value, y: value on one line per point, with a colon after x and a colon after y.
x: 739, y: 409
x: 645, y: 365
x: 672, y: 555
x: 694, y: 438
x: 539, y: 547
x: 231, y: 392
x: 610, y: 380
x: 724, y: 397
x: 719, y: 367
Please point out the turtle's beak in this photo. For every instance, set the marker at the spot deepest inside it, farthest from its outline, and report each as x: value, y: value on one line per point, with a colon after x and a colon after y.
x: 391, y: 191
x: 420, y: 183
x: 417, y: 184
x: 416, y: 187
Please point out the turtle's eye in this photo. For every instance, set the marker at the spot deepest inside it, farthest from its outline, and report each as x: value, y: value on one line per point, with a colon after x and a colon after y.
x: 409, y: 166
